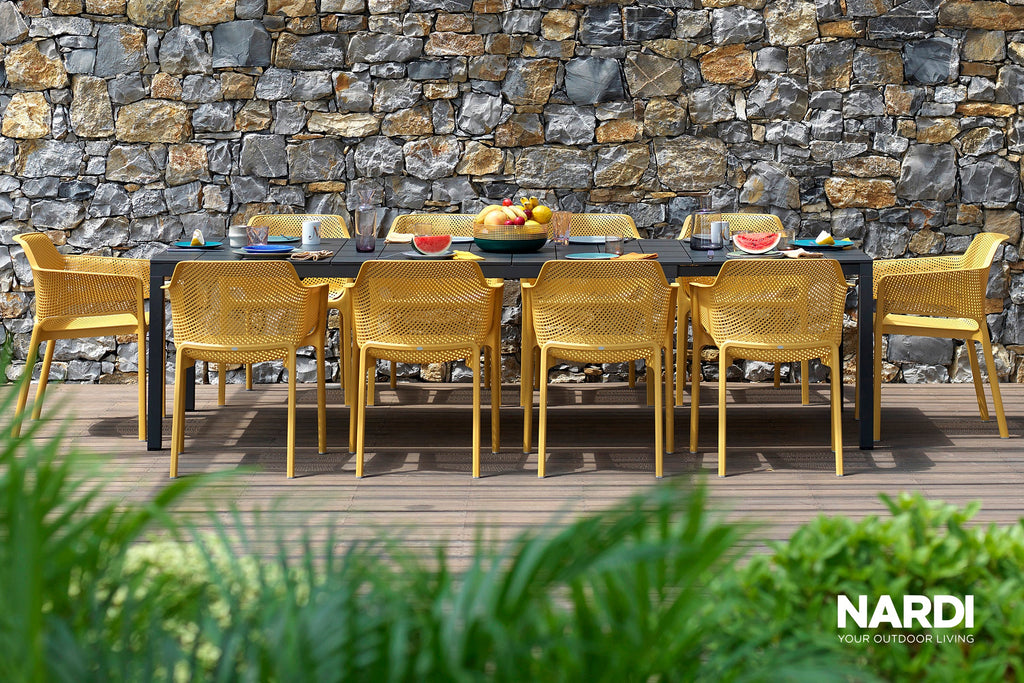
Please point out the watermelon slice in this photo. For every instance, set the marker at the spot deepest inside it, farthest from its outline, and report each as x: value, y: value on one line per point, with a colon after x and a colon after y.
x: 756, y: 242
x: 431, y: 245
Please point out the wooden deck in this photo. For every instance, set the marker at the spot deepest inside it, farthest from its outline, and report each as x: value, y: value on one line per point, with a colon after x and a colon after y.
x: 781, y: 472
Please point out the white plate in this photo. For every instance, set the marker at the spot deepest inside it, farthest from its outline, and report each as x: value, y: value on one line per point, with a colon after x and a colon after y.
x: 743, y: 254
x: 428, y: 257
x: 589, y: 257
x: 462, y: 239
x: 587, y: 239
x: 263, y: 254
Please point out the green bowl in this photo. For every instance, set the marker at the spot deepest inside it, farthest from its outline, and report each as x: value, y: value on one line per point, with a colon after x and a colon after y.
x: 510, y: 246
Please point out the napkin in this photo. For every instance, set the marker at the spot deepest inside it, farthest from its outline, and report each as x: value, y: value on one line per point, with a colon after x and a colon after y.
x: 311, y: 255
x: 399, y: 238
x: 802, y: 253
x: 633, y: 256
x: 466, y: 256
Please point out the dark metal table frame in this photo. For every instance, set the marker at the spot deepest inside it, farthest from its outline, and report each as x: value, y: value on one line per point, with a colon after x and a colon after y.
x: 675, y: 257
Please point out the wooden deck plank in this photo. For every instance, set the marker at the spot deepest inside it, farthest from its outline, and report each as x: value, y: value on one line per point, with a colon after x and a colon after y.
x: 600, y: 451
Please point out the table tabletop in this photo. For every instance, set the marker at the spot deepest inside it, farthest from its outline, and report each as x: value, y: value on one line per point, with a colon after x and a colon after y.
x: 675, y: 256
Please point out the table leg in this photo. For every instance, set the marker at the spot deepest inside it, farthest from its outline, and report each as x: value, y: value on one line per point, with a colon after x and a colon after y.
x: 190, y: 388
x: 865, y: 365
x: 155, y: 364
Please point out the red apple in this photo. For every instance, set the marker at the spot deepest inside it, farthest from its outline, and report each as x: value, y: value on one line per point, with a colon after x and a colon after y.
x: 529, y: 214
x: 506, y: 202
x: 509, y: 221
x: 519, y: 220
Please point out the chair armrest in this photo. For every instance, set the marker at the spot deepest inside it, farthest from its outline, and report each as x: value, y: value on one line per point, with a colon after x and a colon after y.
x: 61, y: 293
x: 109, y: 265
x: 315, y: 310
x: 928, y: 264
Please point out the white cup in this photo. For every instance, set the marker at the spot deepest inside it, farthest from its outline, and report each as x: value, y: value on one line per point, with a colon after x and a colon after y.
x: 719, y: 232
x: 237, y: 236
x: 311, y: 233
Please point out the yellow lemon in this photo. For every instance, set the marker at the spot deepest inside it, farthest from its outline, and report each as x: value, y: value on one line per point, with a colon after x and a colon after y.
x: 824, y: 238
x: 541, y: 214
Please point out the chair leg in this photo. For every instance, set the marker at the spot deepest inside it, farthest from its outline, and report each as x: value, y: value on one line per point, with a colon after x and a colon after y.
x: 694, y: 396
x: 805, y: 382
x: 856, y: 382
x: 290, y: 365
x: 650, y: 378
x: 836, y: 380
x: 632, y: 374
x: 178, y: 412
x: 321, y: 400
x: 526, y: 399
x: 979, y: 389
x: 778, y: 375
x: 487, y: 367
x: 474, y: 367
x: 44, y: 378
x: 248, y: 376
x: 372, y: 389
x: 682, y: 325
x: 542, y: 425
x: 344, y: 353
x: 163, y: 384
x: 993, y: 378
x: 670, y: 411
x: 222, y: 371
x: 30, y: 362
x: 394, y: 374
x: 878, y: 383
x: 360, y: 418
x: 141, y: 363
x: 659, y: 442
x: 354, y: 407
x: 722, y: 365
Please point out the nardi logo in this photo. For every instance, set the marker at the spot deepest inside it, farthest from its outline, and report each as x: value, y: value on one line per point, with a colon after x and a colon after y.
x: 941, y: 611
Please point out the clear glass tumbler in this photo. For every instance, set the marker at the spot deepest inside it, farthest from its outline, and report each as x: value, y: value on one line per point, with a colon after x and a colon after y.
x: 366, y: 222
x: 559, y: 223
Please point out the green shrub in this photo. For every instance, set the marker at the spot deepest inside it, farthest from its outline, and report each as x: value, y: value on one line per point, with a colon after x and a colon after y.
x: 924, y: 548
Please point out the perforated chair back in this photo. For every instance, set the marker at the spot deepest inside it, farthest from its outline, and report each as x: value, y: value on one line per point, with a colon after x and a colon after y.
x: 454, y: 224
x: 603, y: 224
x: 419, y: 308
x: 242, y: 311
x: 596, y: 305
x: 740, y: 222
x: 290, y: 224
x: 760, y: 304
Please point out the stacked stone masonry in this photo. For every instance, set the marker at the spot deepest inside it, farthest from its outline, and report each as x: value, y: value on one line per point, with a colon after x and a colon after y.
x: 126, y: 124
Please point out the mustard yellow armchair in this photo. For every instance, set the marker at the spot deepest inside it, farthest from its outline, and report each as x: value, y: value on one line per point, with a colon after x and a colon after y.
x: 599, y: 312
x: 83, y: 296
x: 424, y: 312
x: 454, y: 224
x: 774, y: 311
x: 941, y: 296
x: 245, y: 312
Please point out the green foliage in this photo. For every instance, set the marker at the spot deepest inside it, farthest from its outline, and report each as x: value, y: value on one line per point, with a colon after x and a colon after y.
x: 924, y: 548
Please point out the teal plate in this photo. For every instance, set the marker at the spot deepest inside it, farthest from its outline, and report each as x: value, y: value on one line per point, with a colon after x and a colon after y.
x: 589, y: 257
x: 811, y: 244
x: 274, y: 239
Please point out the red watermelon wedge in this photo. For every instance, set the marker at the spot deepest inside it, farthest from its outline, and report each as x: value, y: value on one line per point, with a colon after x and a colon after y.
x: 756, y: 242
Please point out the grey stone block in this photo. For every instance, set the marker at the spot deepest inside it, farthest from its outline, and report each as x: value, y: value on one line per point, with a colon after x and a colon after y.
x: 241, y: 43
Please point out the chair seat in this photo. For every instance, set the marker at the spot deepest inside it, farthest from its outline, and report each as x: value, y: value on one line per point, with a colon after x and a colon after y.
x: 922, y: 326
x: 81, y: 326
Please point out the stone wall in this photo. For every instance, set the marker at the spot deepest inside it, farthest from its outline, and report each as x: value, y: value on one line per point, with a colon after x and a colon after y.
x: 127, y: 124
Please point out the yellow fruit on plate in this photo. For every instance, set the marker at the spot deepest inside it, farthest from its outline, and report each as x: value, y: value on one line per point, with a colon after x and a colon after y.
x: 531, y: 223
x: 541, y: 213
x: 824, y: 238
x: 197, y: 238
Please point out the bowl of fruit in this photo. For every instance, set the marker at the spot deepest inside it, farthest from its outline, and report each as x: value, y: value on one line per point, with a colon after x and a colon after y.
x: 509, y: 228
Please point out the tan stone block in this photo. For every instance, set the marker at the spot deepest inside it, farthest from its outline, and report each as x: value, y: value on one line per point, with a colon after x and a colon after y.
x: 327, y: 186
x: 984, y: 46
x: 253, y: 116
x: 927, y: 242
x: 186, y: 163
x: 906, y: 128
x: 538, y: 48
x: 91, y: 113
x: 488, y: 67
x: 791, y: 22
x: 291, y: 8
x: 535, y: 85
x: 861, y: 193
x: 106, y: 7
x: 454, y: 44
x: 345, y: 125
x: 732, y: 64
x: 868, y: 167
x: 154, y: 13
x: 559, y: 24
x: 607, y: 195
x: 619, y: 130
x: 994, y: 16
x: 29, y: 69
x: 414, y: 121
x: 236, y: 86
x: 329, y: 23
x: 153, y: 121
x: 522, y: 130
x: 985, y: 109
x: 842, y: 29
x: 27, y: 116
x: 304, y: 26
x: 480, y: 159
x: 668, y: 47
x: 65, y: 7
x: 936, y: 131
x: 206, y: 12
x: 504, y: 44
x: 978, y: 69
x: 165, y: 87
x: 969, y: 214
x: 749, y: 4
x: 31, y: 8
x: 1004, y: 221
x: 440, y: 91
x: 457, y: 23
x: 491, y: 6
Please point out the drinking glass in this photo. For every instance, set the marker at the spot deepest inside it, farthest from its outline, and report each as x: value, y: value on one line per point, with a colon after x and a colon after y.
x: 258, y: 234
x: 613, y: 244
x: 559, y: 223
x: 366, y: 222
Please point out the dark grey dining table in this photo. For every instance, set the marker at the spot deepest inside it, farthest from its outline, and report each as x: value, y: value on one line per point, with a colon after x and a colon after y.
x: 675, y: 257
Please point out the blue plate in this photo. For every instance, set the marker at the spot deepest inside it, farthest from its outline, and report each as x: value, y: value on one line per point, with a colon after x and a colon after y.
x: 585, y: 257
x: 280, y: 239
x: 187, y: 244
x: 811, y: 244
x: 268, y: 249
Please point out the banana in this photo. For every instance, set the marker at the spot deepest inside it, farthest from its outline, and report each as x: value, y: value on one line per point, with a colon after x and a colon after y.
x: 519, y: 211
x: 486, y: 210
x: 509, y: 212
